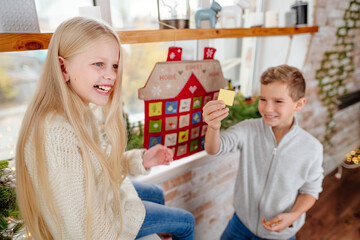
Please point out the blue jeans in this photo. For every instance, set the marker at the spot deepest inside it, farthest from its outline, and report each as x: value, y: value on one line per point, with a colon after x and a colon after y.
x: 237, y: 230
x: 163, y: 219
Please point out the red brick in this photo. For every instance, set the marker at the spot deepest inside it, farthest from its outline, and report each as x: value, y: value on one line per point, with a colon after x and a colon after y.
x: 186, y: 197
x: 177, y: 181
x: 223, y: 169
x: 203, y: 190
x: 200, y: 209
x: 230, y: 176
x: 213, y: 220
x: 198, y: 218
x: 171, y: 195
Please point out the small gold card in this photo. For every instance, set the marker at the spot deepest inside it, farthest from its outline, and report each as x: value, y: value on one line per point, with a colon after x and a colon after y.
x: 227, y: 96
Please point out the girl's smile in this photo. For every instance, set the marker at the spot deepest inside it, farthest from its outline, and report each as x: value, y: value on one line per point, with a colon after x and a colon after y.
x: 103, y: 89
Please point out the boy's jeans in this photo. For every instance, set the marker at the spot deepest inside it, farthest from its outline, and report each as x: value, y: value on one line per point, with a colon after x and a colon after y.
x: 163, y: 219
x: 237, y: 230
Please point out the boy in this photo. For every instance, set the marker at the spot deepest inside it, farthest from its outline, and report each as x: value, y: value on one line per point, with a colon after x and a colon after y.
x: 280, y: 171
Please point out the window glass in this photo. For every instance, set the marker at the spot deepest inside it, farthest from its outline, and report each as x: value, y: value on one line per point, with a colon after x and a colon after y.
x: 19, y: 71
x: 129, y: 14
x: 52, y: 12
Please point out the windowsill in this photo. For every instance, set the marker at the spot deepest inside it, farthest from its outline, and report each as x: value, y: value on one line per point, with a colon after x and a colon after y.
x: 162, y: 173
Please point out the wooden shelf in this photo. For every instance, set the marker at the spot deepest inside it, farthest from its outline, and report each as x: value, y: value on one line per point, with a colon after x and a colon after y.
x: 36, y: 41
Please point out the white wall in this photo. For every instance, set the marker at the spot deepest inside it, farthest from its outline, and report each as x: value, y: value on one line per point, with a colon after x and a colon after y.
x: 273, y: 50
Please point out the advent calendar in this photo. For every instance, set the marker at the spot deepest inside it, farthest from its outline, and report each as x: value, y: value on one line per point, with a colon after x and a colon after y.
x: 174, y: 96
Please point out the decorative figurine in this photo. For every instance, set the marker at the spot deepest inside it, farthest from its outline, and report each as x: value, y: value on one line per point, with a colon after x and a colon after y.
x: 173, y: 13
x: 207, y: 14
x: 234, y: 12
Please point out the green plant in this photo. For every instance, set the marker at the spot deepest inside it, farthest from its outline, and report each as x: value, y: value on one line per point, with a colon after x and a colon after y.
x: 135, y: 134
x: 9, y: 212
x: 337, y: 67
x: 243, y: 108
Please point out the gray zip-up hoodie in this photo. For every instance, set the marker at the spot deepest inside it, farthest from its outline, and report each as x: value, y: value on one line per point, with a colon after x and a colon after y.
x: 271, y: 176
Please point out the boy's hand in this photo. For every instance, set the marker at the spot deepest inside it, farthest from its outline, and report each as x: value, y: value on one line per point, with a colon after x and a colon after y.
x: 279, y: 223
x: 213, y: 112
x: 157, y: 155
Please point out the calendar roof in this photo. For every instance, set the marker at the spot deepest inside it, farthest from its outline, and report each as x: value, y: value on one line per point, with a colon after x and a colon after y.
x: 169, y: 78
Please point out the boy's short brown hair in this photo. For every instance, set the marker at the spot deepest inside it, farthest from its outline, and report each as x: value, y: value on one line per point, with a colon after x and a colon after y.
x: 291, y: 76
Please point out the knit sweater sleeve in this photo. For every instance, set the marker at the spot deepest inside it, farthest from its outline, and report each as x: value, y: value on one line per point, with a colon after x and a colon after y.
x: 67, y: 182
x: 232, y: 138
x: 135, y: 160
x: 313, y: 184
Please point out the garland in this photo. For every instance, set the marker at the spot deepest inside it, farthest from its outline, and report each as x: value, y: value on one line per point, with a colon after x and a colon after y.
x: 243, y: 108
x: 10, y: 226
x: 336, y: 68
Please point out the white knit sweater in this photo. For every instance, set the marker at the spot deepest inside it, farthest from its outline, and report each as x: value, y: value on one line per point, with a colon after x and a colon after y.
x: 66, y: 178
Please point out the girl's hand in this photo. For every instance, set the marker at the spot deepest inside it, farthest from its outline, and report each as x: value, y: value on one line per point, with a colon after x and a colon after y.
x: 279, y: 223
x: 157, y: 155
x: 213, y: 112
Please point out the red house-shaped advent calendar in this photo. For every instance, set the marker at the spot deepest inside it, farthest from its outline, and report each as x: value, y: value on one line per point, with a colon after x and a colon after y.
x: 174, y: 96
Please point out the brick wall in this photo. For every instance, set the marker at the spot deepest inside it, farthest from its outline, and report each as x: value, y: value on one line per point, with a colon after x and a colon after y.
x: 331, y: 19
x: 206, y: 190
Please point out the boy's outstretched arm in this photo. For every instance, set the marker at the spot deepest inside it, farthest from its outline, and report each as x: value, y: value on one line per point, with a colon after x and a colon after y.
x: 213, y: 112
x: 302, y: 204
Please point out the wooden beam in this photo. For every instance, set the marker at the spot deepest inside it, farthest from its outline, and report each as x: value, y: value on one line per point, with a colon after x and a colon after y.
x: 144, y: 36
x: 36, y: 41
x: 24, y: 41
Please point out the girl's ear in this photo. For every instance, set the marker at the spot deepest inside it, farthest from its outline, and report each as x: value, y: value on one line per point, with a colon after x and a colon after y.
x: 300, y: 104
x: 63, y: 69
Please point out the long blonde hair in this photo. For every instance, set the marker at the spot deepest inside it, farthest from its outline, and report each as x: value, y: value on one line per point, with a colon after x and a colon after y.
x: 54, y: 95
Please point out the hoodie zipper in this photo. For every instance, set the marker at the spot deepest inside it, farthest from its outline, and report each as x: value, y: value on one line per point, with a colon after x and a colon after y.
x: 262, y: 193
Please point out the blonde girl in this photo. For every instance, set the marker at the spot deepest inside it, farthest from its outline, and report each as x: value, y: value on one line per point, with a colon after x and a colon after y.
x: 70, y: 184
